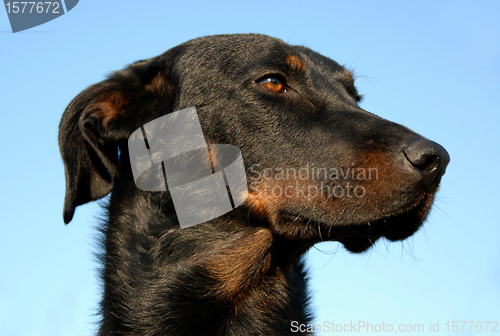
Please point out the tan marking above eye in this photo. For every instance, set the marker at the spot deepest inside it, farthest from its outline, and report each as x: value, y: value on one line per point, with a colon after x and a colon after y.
x: 295, y: 62
x: 273, y: 84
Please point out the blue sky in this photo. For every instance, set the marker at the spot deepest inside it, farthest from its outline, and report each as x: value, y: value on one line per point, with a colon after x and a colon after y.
x: 432, y: 66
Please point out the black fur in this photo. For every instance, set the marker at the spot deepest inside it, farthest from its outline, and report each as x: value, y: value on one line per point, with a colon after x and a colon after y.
x: 240, y: 274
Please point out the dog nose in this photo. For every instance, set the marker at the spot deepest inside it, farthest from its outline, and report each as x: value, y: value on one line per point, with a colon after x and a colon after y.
x: 429, y: 159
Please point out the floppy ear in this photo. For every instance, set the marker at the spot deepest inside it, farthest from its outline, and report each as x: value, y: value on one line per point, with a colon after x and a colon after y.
x: 100, y: 118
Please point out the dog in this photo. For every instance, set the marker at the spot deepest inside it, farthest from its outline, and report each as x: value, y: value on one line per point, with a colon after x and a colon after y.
x: 294, y: 115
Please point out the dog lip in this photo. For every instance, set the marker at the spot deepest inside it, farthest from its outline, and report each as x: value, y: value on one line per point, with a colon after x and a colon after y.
x: 399, y: 224
x: 358, y: 244
x: 358, y: 237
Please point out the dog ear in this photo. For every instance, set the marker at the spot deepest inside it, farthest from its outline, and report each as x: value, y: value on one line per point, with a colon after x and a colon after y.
x: 100, y: 118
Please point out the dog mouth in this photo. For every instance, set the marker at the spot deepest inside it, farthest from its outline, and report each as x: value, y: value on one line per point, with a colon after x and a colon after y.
x: 359, y: 237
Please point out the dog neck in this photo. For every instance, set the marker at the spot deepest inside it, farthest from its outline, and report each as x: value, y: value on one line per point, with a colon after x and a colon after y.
x: 197, y: 280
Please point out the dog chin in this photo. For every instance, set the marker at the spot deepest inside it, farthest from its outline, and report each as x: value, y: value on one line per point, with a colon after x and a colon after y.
x: 396, y: 227
x: 360, y: 236
x: 358, y: 245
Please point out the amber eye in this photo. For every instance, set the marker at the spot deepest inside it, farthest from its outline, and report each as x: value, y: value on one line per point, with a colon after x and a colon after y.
x: 273, y: 84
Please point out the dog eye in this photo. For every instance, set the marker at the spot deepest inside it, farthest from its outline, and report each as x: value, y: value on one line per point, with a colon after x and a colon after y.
x: 272, y: 83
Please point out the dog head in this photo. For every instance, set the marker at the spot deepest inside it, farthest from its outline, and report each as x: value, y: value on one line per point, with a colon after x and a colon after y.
x: 319, y: 167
